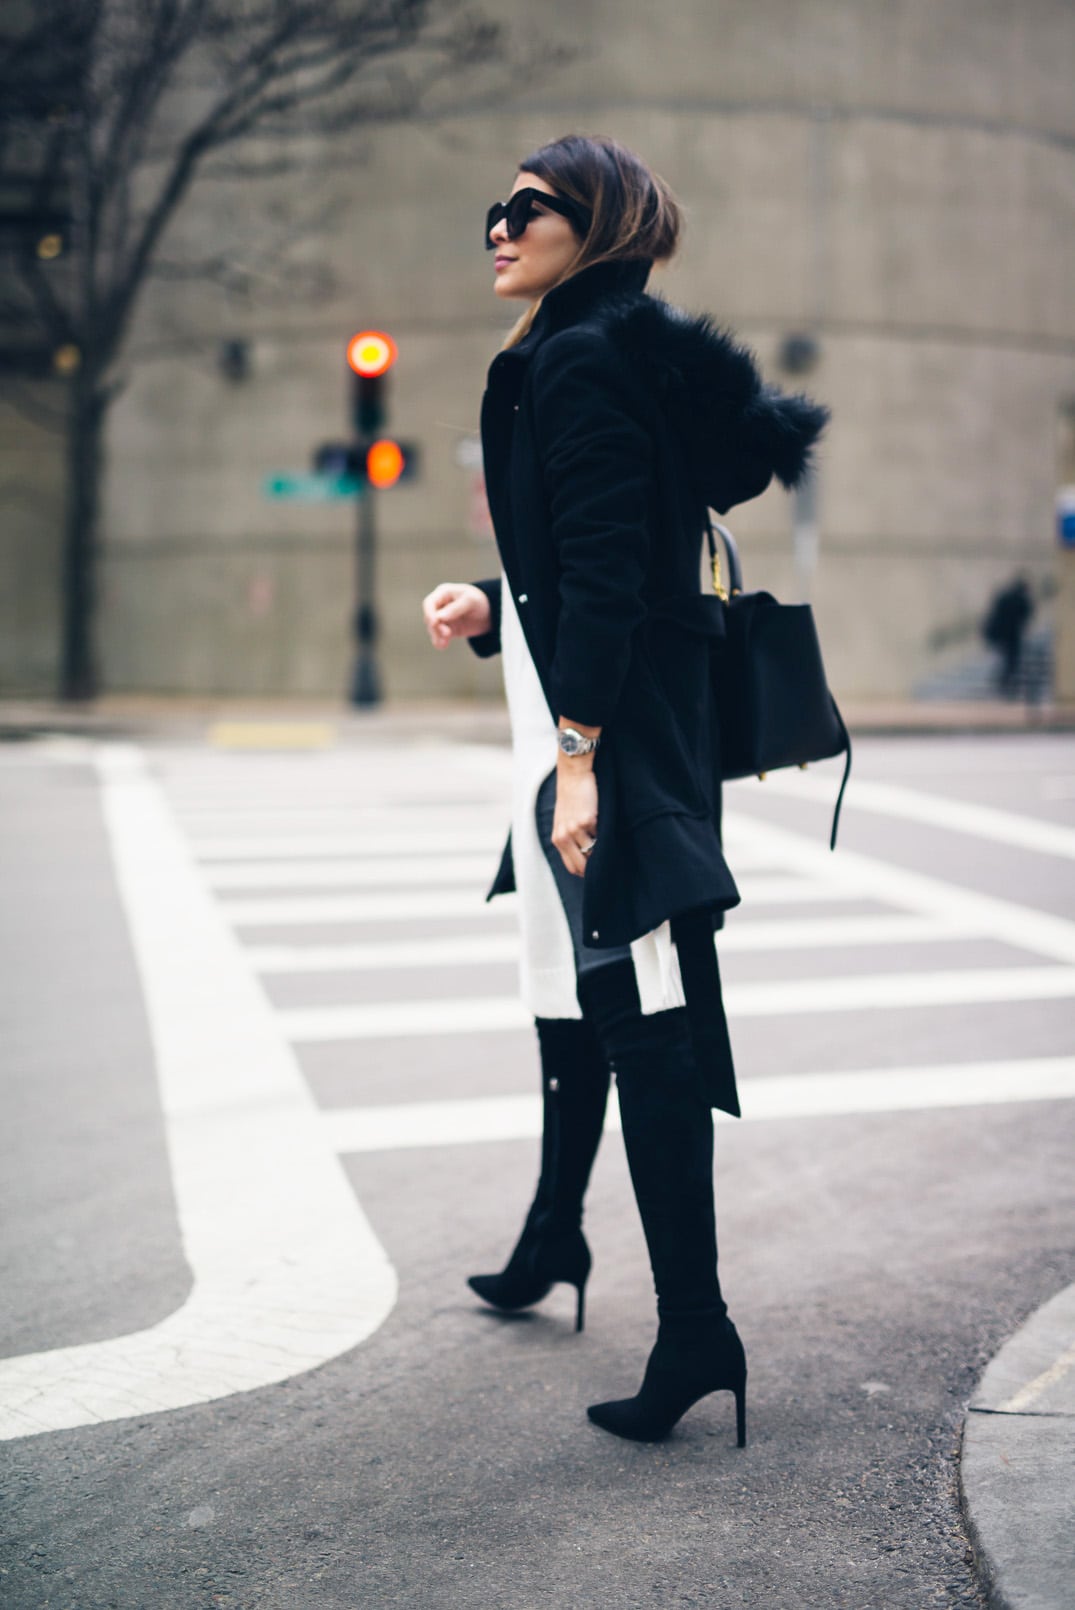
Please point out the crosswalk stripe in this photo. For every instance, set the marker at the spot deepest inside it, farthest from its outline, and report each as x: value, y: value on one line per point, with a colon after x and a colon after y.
x: 240, y: 824
x: 271, y: 851
x: 815, y: 933
x: 303, y: 909
x: 869, y: 878
x: 381, y: 871
x: 959, y: 815
x: 482, y: 1014
x: 357, y: 842
x: 286, y: 1271
x: 460, y: 950
x: 503, y: 1118
x: 487, y: 1014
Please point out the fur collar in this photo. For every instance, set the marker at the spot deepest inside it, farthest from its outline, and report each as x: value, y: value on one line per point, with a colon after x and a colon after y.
x: 736, y: 431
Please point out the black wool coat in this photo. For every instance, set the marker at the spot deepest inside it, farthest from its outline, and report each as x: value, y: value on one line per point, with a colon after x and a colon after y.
x: 606, y: 433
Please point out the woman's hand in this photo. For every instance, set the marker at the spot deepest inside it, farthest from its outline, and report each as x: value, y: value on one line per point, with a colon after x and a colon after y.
x: 574, y: 825
x: 455, y: 609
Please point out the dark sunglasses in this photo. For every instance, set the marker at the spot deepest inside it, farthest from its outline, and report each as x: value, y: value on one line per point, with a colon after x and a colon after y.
x: 521, y: 208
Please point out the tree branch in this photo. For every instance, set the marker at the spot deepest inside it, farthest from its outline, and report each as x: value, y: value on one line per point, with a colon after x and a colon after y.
x: 30, y: 407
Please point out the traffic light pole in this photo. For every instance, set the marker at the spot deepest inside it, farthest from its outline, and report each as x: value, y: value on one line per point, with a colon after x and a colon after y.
x: 370, y: 355
x: 366, y: 681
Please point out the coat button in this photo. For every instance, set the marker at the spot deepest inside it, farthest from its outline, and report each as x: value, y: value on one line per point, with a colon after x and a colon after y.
x: 595, y: 935
x: 515, y: 408
x: 524, y: 598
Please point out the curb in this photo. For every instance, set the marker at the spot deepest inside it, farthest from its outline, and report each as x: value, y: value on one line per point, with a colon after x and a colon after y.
x: 146, y: 717
x: 1016, y: 1464
x: 241, y: 723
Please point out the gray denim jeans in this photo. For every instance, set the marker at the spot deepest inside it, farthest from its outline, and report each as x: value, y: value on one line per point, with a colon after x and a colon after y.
x: 569, y: 888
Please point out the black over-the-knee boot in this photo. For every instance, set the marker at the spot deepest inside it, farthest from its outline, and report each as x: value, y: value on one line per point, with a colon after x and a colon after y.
x: 668, y: 1135
x: 552, y: 1247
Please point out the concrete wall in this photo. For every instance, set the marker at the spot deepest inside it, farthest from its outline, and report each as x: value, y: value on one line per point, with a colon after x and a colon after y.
x: 900, y: 180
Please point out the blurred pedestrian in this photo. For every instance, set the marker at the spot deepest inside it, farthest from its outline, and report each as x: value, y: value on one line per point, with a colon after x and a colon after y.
x: 1004, y: 627
x: 610, y: 422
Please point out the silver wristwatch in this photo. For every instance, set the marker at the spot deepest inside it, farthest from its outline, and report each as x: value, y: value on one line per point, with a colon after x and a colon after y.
x: 573, y: 743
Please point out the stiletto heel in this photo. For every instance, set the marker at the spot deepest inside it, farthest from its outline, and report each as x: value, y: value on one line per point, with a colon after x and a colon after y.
x: 538, y: 1263
x: 552, y: 1249
x: 695, y: 1354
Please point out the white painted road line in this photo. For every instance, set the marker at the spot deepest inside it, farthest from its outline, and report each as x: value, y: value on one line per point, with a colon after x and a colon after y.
x: 960, y: 816
x: 237, y: 825
x: 832, y: 933
x: 817, y: 1095
x: 301, y: 911
x: 868, y: 878
x: 473, y: 950
x: 392, y: 1020
x: 875, y: 991
x: 312, y: 1025
x: 324, y: 848
x: 297, y: 846
x: 286, y: 1270
x: 390, y: 955
x: 379, y: 871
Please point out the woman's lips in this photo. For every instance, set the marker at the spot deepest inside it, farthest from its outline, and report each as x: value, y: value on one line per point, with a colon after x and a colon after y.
x: 502, y: 262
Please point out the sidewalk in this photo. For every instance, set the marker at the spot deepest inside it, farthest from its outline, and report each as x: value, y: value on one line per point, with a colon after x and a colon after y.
x: 276, y: 723
x: 313, y: 723
x: 1018, y: 1460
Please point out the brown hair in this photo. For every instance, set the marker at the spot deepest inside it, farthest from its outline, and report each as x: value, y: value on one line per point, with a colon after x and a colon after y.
x: 634, y: 214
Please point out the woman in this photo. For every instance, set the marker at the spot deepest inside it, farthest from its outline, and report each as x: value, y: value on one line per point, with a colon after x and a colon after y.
x: 610, y: 423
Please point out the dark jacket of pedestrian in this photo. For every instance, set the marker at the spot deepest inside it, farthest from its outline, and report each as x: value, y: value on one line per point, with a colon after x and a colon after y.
x: 606, y: 432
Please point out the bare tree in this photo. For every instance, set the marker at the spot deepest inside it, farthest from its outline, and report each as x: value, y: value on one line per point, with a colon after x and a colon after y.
x: 111, y: 110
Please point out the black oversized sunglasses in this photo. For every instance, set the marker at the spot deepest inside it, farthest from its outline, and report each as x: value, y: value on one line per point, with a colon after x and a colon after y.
x: 520, y: 209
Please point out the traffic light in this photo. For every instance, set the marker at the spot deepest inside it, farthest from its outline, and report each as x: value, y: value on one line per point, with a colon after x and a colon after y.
x: 379, y: 464
x: 385, y: 463
x: 370, y: 355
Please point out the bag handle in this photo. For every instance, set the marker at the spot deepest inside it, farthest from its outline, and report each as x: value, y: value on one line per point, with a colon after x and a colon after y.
x: 731, y: 549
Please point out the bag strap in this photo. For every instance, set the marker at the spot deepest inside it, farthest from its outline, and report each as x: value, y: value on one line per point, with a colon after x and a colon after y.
x: 847, y: 773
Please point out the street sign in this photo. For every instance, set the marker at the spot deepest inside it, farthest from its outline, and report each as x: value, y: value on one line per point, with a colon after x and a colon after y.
x: 312, y: 488
x: 1065, y: 516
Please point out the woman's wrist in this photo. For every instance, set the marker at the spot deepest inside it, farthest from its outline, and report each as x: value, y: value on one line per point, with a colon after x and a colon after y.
x: 569, y: 764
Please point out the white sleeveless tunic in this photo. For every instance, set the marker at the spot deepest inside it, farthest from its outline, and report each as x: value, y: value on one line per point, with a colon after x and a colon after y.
x: 547, y: 981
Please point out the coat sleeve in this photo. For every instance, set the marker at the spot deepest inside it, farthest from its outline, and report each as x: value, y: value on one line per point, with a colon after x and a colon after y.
x: 597, y: 467
x: 488, y: 643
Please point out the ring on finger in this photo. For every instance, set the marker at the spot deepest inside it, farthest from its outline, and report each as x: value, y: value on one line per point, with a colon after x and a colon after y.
x: 587, y: 849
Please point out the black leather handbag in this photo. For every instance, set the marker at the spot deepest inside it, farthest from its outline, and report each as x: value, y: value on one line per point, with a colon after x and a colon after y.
x: 773, y: 703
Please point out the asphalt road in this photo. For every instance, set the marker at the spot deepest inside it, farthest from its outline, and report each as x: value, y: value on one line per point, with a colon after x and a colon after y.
x: 257, y: 1132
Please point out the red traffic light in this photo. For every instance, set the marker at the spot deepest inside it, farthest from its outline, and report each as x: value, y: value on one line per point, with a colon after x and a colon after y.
x: 371, y: 353
x: 385, y: 463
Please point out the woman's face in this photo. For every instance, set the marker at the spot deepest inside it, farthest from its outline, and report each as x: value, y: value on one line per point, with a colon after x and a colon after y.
x: 528, y: 266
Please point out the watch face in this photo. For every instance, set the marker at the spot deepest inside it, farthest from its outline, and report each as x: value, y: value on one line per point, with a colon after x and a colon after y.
x: 569, y: 743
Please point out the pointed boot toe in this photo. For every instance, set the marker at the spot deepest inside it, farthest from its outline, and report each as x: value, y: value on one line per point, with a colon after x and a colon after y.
x: 691, y: 1359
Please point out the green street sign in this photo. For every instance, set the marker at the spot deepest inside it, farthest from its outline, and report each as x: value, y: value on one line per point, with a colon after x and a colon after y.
x: 313, y: 488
